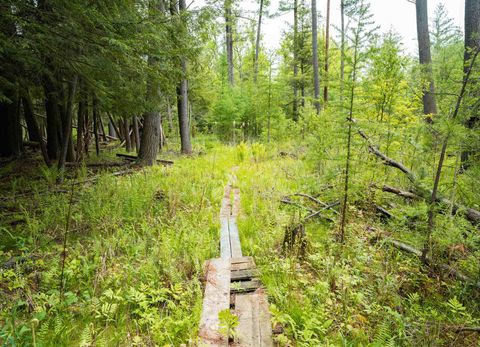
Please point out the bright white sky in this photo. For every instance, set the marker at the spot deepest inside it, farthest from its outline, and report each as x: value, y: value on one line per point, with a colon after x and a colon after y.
x: 388, y: 14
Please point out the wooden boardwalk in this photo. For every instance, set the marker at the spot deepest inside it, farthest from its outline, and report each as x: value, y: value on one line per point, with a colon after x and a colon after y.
x: 231, y: 282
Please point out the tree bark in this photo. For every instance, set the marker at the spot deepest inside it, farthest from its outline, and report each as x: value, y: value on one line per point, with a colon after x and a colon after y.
x: 53, y: 119
x: 95, y: 123
x: 67, y: 127
x: 429, y: 103
x: 169, y: 115
x: 80, y: 129
x: 257, y: 42
x: 136, y: 133
x: 316, y: 78
x: 295, y: 60
x: 327, y: 46
x: 126, y: 127
x: 342, y: 52
x: 150, y: 139
x: 182, y: 99
x: 472, y: 44
x: 229, y: 39
x: 33, y: 129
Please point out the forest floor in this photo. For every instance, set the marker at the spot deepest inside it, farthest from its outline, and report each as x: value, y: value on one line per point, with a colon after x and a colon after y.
x: 132, y: 257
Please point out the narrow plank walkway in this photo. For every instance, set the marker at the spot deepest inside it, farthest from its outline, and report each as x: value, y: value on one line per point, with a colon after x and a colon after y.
x: 232, y: 282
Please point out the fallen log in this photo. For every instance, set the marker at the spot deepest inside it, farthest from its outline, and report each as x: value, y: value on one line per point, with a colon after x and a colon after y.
x: 134, y: 158
x: 399, y: 192
x: 107, y: 164
x: 325, y: 205
x: 449, y: 271
x: 471, y: 214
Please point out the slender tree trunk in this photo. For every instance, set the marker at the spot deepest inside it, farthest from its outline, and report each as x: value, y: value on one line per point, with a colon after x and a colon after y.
x: 229, y: 39
x: 136, y: 133
x: 53, y: 120
x: 67, y: 127
x: 316, y: 78
x: 182, y: 95
x: 269, y: 101
x: 102, y: 128
x: 169, y: 115
x: 80, y: 129
x: 344, y: 205
x: 342, y: 51
x: 257, y: 42
x: 443, y: 152
x: 472, y: 44
x: 295, y: 60
x: 87, y: 128
x: 33, y: 129
x: 429, y: 103
x: 327, y: 46
x: 95, y: 123
x: 126, y: 127
x: 63, y: 107
x: 112, y: 124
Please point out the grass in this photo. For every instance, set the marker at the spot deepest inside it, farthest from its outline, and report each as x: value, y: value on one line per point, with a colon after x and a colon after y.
x: 137, y: 244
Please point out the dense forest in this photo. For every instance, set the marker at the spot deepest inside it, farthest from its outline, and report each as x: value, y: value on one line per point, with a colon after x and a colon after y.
x: 355, y: 163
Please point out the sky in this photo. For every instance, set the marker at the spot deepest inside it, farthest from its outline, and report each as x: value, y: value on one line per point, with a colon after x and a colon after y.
x: 388, y: 14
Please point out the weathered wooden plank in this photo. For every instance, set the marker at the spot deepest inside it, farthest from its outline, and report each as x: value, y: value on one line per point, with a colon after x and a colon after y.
x: 235, y: 246
x: 245, y: 286
x: 264, y: 321
x: 236, y: 202
x: 254, y: 327
x: 241, y: 260
x: 225, y: 249
x: 216, y: 299
x: 241, y: 275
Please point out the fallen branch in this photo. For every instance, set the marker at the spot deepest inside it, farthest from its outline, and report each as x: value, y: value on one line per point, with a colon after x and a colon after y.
x: 471, y: 214
x: 107, y: 164
x: 325, y: 205
x: 382, y: 211
x: 402, y: 193
x: 134, y: 158
x: 444, y: 267
x: 287, y: 201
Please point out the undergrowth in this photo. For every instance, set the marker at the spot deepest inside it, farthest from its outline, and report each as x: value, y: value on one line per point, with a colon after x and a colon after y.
x: 137, y: 244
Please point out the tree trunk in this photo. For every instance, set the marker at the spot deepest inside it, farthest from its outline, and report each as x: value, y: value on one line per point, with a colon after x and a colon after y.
x: 150, y: 138
x: 136, y: 133
x: 111, y: 129
x: 86, y: 140
x: 95, y: 123
x: 102, y: 128
x: 80, y: 129
x: 126, y: 127
x: 64, y: 120
x: 229, y: 39
x: 257, y: 42
x: 182, y: 101
x: 67, y: 127
x: 327, y: 46
x: 342, y: 51
x: 472, y: 44
x: 295, y: 62
x: 169, y: 115
x: 33, y: 129
x: 429, y: 103
x: 316, y: 78
x: 53, y: 120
